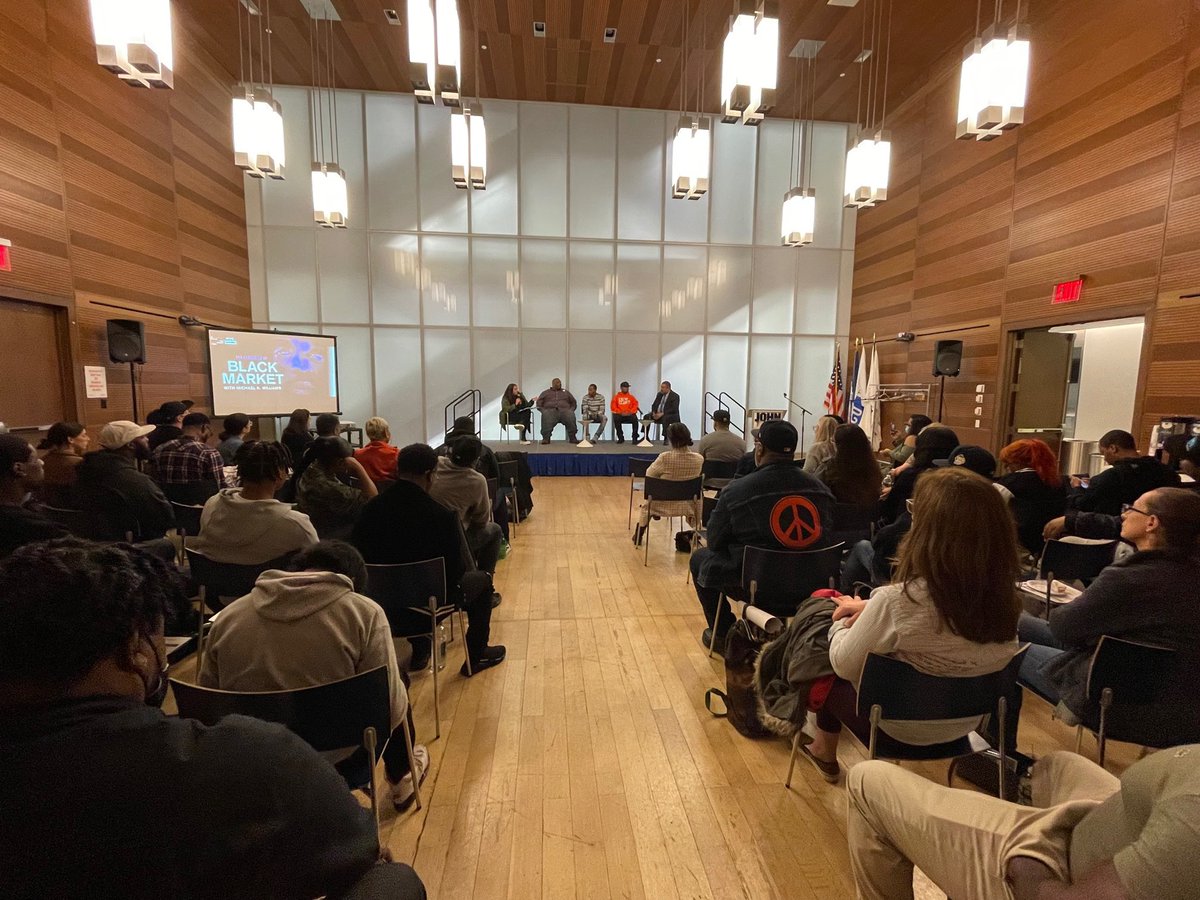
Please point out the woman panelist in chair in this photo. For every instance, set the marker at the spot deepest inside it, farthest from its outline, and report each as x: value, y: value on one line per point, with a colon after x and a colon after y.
x: 951, y: 611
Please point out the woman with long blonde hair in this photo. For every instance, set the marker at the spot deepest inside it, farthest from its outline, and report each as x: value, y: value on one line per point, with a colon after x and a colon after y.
x: 823, y: 448
x: 952, y: 609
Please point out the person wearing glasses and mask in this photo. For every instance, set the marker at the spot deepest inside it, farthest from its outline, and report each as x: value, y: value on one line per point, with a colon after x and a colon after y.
x: 1152, y: 597
x: 98, y: 779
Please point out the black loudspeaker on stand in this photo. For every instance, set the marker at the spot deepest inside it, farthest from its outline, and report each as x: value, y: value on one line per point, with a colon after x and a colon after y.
x: 947, y: 362
x: 127, y: 344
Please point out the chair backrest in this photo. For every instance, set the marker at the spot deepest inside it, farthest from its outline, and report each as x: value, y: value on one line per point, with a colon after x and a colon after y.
x: 854, y: 517
x: 406, y: 586
x: 662, y: 489
x: 328, y: 717
x: 187, y: 517
x: 493, y: 486
x: 510, y: 472
x: 785, y: 578
x: 906, y: 694
x: 225, y: 579
x: 76, y: 521
x: 718, y: 468
x: 1068, y: 560
x: 638, y: 466
x: 1137, y: 673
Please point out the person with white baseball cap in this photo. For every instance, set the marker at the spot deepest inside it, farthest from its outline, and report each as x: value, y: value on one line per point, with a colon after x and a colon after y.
x: 120, y: 498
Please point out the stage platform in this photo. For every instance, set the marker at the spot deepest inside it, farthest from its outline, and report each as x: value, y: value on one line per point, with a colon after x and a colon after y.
x: 561, y: 458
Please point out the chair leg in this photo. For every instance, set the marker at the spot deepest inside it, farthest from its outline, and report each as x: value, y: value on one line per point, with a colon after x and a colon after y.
x: 1106, y: 699
x: 1078, y: 738
x: 466, y: 650
x: 412, y: 760
x: 629, y: 524
x: 876, y: 715
x: 646, y: 538
x: 1003, y: 707
x: 712, y: 638
x: 792, y: 758
x: 433, y: 666
x: 370, y: 742
x: 200, y: 632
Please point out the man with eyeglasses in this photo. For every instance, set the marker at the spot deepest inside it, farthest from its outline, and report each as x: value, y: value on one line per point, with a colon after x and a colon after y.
x: 1151, y: 597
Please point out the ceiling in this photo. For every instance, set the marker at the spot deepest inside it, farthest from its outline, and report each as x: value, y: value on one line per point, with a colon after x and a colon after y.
x: 572, y: 63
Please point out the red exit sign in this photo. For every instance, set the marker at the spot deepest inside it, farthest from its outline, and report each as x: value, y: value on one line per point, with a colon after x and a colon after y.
x: 5, y: 255
x: 1067, y: 291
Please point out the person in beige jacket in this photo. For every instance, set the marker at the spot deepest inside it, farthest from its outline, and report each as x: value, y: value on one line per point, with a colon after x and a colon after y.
x: 309, y: 626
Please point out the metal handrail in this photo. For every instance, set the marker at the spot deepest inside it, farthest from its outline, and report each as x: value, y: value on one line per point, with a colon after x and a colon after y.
x: 725, y: 402
x: 740, y: 422
x: 476, y: 413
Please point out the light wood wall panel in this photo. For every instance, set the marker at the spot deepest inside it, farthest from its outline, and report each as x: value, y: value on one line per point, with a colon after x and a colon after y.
x: 121, y: 203
x: 1103, y: 180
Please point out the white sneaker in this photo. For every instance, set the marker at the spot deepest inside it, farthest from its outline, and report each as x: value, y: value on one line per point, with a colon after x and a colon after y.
x: 403, y: 793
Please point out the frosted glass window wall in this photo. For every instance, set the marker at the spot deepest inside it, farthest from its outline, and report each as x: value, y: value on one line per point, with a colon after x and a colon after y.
x: 573, y: 263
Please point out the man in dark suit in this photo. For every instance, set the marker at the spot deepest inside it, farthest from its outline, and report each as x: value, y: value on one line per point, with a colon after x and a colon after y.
x: 665, y: 409
x: 405, y: 525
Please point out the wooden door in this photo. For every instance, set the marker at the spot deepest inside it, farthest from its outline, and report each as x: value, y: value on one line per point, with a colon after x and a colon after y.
x: 1039, y: 390
x: 34, y: 368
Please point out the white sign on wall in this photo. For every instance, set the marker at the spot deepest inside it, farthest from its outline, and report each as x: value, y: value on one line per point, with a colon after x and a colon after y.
x: 95, y: 380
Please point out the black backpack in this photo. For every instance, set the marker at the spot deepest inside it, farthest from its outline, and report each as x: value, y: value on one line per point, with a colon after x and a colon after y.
x: 742, y: 646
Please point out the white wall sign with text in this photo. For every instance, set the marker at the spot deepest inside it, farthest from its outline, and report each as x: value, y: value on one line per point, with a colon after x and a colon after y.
x: 95, y: 380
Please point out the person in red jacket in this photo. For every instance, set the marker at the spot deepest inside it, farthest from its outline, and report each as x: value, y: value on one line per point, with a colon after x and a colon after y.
x: 624, y: 408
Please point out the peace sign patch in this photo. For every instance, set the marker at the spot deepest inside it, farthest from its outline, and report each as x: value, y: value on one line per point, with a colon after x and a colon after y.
x: 795, y: 522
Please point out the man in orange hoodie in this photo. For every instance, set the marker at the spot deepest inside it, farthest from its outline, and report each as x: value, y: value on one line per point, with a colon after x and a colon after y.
x: 624, y: 408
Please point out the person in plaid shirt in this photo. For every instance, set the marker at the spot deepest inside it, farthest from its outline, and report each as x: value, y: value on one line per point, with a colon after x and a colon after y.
x: 593, y: 412
x: 188, y: 468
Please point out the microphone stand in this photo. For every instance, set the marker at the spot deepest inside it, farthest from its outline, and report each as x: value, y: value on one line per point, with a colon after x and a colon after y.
x: 803, y: 412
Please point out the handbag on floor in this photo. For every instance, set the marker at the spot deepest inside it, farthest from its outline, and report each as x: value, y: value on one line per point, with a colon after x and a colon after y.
x: 742, y: 646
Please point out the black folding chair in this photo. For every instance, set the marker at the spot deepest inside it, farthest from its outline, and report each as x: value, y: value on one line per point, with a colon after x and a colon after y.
x: 1071, y: 559
x: 658, y: 490
x: 717, y: 473
x: 778, y: 581
x: 894, y: 690
x: 852, y: 522
x: 510, y: 472
x: 418, y: 587
x: 637, y: 478
x: 187, y: 524
x: 351, y: 713
x: 1126, y: 682
x: 217, y: 582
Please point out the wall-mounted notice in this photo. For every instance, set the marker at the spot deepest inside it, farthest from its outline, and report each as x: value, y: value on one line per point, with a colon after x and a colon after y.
x: 95, y: 381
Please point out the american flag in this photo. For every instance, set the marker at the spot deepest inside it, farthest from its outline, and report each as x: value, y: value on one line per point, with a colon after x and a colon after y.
x: 834, y: 395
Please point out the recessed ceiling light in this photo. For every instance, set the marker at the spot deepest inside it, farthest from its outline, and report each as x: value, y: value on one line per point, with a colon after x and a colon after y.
x: 610, y: 35
x: 658, y: 60
x: 483, y: 46
x: 539, y: 29
x: 392, y: 16
x: 843, y: 75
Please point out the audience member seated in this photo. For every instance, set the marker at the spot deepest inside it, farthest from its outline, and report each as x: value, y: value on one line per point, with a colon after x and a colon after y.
x: 118, y: 497
x: 167, y: 421
x: 557, y: 406
x: 64, y: 446
x: 307, y: 626
x: 822, y: 449
x: 461, y: 489
x: 745, y: 516
x: 1189, y: 463
x: 487, y: 465
x: 852, y: 473
x: 933, y: 443
x: 900, y: 453
x: 105, y: 796
x: 721, y: 444
x: 952, y: 610
x: 1038, y: 491
x: 296, y: 436
x: 405, y: 524
x: 1152, y: 596
x: 677, y: 464
x: 232, y: 436
x: 329, y: 502
x: 1130, y: 475
x: 188, y: 469
x: 378, y: 458
x: 20, y: 475
x: 1088, y: 835
x: 247, y: 525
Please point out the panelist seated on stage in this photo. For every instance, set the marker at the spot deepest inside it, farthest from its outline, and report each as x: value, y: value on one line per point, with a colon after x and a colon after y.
x: 557, y: 406
x: 624, y: 409
x: 515, y: 410
x: 593, y: 413
x: 665, y: 409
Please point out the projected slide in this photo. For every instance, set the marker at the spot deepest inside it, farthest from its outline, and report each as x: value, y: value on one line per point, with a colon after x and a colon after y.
x: 267, y: 373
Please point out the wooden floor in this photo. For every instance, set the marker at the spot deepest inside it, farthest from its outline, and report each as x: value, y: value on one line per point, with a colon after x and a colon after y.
x: 587, y: 766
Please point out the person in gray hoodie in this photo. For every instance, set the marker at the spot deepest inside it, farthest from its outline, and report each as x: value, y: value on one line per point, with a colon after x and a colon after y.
x: 247, y: 525
x: 308, y: 626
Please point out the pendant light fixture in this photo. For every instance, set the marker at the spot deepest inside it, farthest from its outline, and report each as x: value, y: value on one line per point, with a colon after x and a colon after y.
x: 799, y: 217
x: 331, y: 205
x: 868, y: 164
x: 434, y: 51
x: 133, y: 41
x: 750, y: 62
x: 468, y: 136
x: 691, y: 147
x: 994, y: 78
x: 257, y: 116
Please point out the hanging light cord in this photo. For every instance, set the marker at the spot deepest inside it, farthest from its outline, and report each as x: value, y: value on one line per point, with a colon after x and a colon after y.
x: 270, y: 58
x: 316, y: 105
x: 241, y: 45
x: 887, y: 67
x: 793, y: 165
x: 858, y: 123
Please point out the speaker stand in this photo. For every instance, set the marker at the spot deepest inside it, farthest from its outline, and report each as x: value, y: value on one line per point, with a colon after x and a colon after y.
x: 941, y: 398
x: 133, y: 390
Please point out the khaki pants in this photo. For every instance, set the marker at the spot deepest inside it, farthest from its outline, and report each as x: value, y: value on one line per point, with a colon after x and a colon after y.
x: 962, y: 839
